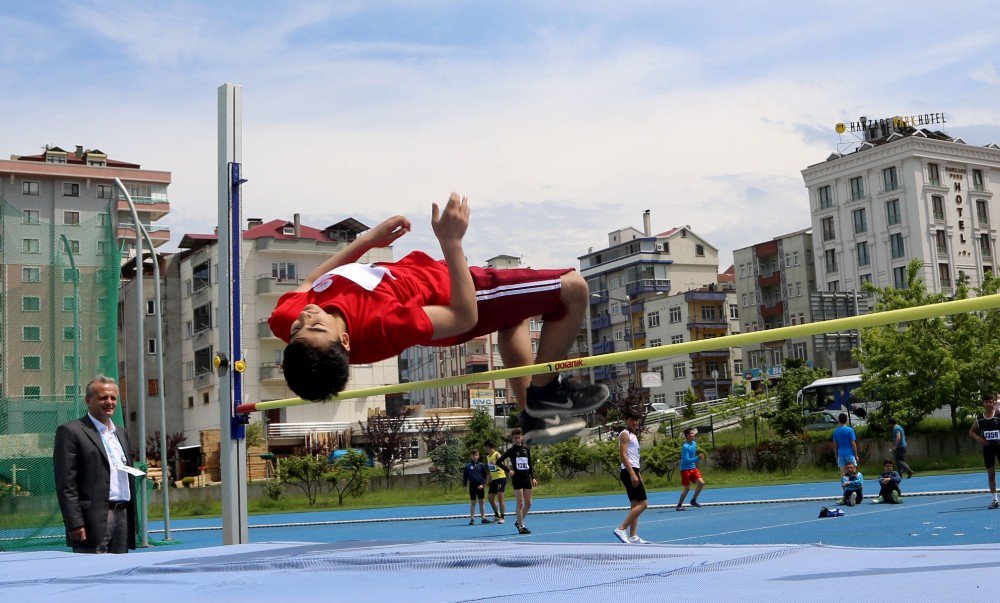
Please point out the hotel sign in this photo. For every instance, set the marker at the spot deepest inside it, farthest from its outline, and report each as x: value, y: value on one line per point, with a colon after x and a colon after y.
x: 897, y: 121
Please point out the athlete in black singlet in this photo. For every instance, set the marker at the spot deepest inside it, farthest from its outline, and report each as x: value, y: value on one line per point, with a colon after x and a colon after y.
x: 986, y: 430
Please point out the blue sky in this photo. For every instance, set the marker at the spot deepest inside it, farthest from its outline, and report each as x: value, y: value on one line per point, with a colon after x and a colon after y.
x: 561, y: 121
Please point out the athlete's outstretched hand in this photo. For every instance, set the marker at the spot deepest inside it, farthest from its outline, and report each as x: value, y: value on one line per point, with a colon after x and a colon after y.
x: 450, y: 225
x: 387, y: 232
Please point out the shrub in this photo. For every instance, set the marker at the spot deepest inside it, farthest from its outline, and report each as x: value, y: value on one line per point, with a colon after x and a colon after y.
x: 727, y: 457
x: 663, y: 457
x: 570, y: 457
x: 273, y: 490
x: 778, y: 455
x: 826, y: 455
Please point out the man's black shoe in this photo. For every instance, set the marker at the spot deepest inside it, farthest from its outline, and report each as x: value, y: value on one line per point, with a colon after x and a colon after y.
x: 565, y: 397
x: 549, y: 430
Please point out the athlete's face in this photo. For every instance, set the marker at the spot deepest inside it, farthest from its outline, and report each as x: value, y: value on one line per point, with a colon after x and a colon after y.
x: 317, y: 328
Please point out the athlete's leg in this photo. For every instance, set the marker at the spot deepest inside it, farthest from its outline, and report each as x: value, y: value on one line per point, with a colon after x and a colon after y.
x: 558, y: 335
x: 515, y: 350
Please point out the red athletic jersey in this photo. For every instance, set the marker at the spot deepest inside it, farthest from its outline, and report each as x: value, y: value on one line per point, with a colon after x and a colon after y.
x: 382, y: 303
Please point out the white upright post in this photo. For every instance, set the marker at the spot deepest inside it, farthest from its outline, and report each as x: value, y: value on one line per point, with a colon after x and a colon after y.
x: 230, y: 362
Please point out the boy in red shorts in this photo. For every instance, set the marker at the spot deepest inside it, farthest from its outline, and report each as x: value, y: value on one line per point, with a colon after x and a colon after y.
x: 689, y: 468
x: 348, y: 313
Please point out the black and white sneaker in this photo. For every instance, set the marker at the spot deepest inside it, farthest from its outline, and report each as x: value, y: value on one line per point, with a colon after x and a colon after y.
x: 549, y: 430
x: 994, y: 505
x: 565, y: 397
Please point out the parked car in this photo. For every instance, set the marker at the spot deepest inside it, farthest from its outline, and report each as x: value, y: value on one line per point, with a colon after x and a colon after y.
x: 660, y: 407
x: 818, y: 421
x: 340, y: 452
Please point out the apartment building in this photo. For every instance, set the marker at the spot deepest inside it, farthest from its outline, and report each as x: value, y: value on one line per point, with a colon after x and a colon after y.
x: 633, y: 270
x: 61, y: 227
x: 775, y: 281
x: 904, y: 193
x: 700, y: 313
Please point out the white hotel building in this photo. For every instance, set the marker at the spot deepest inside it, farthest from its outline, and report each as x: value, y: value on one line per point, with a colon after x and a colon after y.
x: 904, y: 194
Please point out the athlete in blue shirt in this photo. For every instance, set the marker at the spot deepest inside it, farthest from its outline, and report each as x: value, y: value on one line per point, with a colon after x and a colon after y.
x: 847, y: 444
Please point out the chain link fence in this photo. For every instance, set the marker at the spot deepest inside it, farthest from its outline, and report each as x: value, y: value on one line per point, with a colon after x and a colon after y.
x: 58, y: 310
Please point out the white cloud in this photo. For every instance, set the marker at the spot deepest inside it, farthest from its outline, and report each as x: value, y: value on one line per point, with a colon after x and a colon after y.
x: 560, y: 125
x: 986, y: 73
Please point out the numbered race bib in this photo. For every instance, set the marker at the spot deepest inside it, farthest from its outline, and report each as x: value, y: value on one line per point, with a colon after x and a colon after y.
x: 491, y: 467
x: 521, y: 463
x: 992, y: 435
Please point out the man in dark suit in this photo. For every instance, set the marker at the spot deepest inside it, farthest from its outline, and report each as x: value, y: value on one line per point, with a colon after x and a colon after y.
x: 96, y: 493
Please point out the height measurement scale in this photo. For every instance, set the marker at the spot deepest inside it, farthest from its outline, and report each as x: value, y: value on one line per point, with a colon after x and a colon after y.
x: 229, y: 361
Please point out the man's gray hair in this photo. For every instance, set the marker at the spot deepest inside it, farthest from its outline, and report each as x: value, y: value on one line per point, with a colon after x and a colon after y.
x: 98, y: 379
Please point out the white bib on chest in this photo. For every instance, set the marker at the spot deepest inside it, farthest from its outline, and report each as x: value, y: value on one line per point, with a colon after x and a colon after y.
x: 367, y: 276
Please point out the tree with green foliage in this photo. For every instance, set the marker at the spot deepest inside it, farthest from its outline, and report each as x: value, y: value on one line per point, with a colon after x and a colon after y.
x: 482, y: 429
x: 663, y: 457
x: 306, y: 472
x: 387, y: 442
x: 917, y: 367
x: 449, y: 462
x: 606, y: 453
x: 789, y: 417
x: 612, y: 415
x: 349, y: 475
x: 570, y: 457
x: 689, y: 401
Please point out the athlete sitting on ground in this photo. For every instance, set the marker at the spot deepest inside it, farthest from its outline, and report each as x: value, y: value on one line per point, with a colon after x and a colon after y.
x: 348, y: 313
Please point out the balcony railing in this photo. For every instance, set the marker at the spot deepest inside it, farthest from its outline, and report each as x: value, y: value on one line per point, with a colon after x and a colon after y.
x: 298, y: 430
x: 264, y: 330
x: 600, y: 322
x: 271, y: 285
x: 604, y: 347
x: 156, y: 207
x: 716, y: 323
x: 771, y: 280
x: 649, y: 285
x: 705, y: 296
x: 773, y: 310
x: 270, y: 371
x: 709, y: 354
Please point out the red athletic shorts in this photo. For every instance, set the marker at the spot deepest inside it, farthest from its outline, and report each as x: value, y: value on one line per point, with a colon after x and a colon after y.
x: 505, y: 298
x: 689, y: 476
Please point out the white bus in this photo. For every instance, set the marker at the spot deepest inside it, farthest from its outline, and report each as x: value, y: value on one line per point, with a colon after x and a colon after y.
x: 834, y: 394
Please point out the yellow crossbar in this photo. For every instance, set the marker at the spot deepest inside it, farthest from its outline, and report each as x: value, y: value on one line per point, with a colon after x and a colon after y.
x: 976, y: 304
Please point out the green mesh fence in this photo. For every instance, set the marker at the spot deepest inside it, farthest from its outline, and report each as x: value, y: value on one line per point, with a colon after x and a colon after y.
x: 58, y: 304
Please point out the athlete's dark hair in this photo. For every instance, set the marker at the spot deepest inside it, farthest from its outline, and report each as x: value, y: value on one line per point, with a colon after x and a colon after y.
x: 689, y: 430
x: 632, y: 413
x: 886, y: 462
x: 842, y: 418
x: 316, y: 373
x: 490, y: 444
